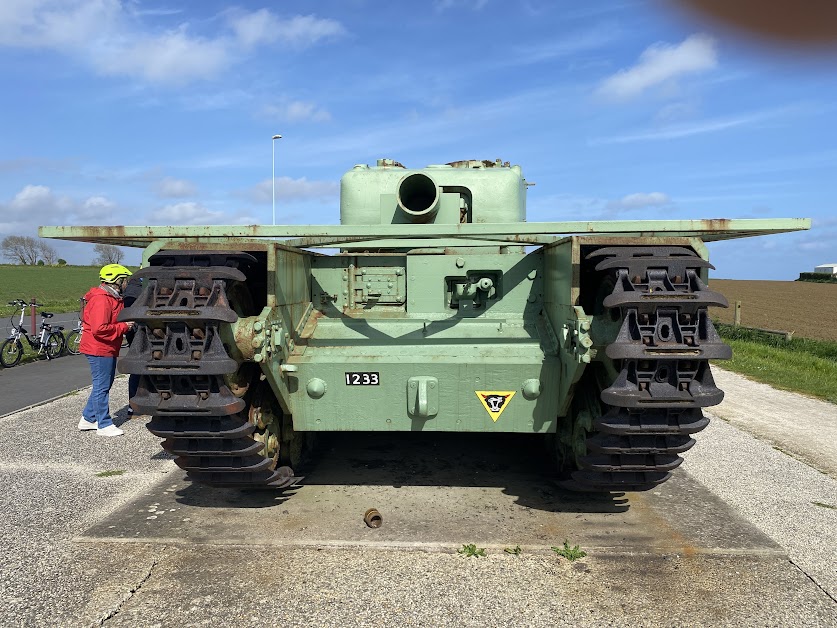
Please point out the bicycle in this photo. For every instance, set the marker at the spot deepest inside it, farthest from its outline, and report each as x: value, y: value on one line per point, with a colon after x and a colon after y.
x: 49, y: 342
x: 74, y: 337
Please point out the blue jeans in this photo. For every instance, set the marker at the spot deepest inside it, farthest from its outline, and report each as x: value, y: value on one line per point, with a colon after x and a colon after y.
x: 102, y: 370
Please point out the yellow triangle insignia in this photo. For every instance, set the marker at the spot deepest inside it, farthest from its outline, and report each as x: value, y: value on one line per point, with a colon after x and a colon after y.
x: 495, y: 401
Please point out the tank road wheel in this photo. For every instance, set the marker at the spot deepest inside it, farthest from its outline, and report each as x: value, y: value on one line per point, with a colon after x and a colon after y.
x: 196, y: 393
x: 654, y: 377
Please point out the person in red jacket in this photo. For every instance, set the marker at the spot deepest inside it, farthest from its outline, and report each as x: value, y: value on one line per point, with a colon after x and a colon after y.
x: 101, y: 338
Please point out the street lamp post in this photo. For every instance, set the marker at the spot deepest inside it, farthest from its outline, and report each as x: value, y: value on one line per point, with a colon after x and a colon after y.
x: 273, y: 177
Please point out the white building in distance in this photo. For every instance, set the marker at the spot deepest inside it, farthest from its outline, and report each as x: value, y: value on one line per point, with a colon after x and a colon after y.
x: 828, y: 269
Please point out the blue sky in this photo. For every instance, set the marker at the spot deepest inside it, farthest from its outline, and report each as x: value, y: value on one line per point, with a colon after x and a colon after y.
x: 157, y: 112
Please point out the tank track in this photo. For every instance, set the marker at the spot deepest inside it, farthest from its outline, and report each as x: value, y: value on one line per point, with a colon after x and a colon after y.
x: 182, y: 363
x: 661, y: 353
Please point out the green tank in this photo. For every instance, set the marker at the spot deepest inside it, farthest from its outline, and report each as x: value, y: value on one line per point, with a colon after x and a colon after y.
x: 443, y: 310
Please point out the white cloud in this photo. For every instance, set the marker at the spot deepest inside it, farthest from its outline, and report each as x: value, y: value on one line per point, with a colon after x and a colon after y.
x: 299, y: 31
x: 59, y: 24
x: 288, y: 189
x: 712, y: 125
x: 297, y: 111
x: 98, y: 208
x: 110, y: 36
x: 34, y: 198
x: 174, y: 188
x: 187, y: 213
x: 36, y: 205
x: 640, y: 200
x: 173, y: 57
x: 474, y: 5
x: 661, y: 63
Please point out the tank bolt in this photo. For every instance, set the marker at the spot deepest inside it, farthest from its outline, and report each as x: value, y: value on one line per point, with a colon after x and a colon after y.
x: 399, y: 271
x: 316, y: 388
x: 204, y: 292
x: 196, y: 355
x: 531, y: 388
x: 159, y: 333
x: 258, y: 326
x: 257, y: 341
x: 165, y: 291
x: 258, y: 357
x: 197, y: 332
x: 460, y: 263
x: 165, y: 394
x: 157, y: 355
x: 532, y: 274
x: 373, y: 518
x: 203, y: 395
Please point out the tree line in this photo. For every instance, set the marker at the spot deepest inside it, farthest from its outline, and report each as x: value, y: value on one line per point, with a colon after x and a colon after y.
x: 30, y: 251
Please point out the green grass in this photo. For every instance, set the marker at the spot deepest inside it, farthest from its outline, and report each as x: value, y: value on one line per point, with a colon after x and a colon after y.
x: 514, y: 551
x: 570, y: 553
x: 107, y: 474
x: 799, y: 365
x: 470, y: 550
x: 57, y: 287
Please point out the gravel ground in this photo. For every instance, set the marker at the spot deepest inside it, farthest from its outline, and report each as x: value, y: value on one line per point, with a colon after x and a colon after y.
x: 52, y: 496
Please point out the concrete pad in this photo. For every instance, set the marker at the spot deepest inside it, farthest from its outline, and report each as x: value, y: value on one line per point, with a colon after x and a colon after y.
x: 436, y: 491
x: 210, y: 585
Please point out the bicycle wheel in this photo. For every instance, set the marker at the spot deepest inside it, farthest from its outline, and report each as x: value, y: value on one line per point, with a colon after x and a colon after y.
x: 10, y: 352
x: 54, y: 345
x: 73, y: 341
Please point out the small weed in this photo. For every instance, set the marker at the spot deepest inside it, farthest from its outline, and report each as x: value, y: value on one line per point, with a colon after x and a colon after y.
x: 824, y: 505
x: 570, y: 553
x: 107, y: 474
x: 513, y: 550
x: 471, y: 550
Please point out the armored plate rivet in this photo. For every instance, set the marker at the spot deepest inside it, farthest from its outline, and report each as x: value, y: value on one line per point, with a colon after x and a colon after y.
x: 460, y: 262
x: 532, y: 274
x: 316, y: 388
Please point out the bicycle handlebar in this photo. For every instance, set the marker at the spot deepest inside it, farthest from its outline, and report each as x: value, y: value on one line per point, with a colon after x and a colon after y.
x: 22, y: 303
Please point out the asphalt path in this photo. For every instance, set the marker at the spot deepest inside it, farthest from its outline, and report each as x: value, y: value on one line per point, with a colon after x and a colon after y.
x: 28, y: 384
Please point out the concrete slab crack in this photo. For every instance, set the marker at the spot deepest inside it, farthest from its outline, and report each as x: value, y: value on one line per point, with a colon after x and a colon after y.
x: 114, y: 611
x: 819, y: 586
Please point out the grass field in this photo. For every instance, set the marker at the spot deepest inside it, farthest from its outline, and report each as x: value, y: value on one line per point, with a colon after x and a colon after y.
x: 809, y: 310
x: 57, y: 287
x: 800, y: 365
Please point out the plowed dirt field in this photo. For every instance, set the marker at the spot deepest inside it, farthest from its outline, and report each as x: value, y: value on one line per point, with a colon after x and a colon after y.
x: 807, y: 309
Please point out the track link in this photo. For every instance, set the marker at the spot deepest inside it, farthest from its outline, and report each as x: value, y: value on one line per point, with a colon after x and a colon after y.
x: 182, y: 363
x: 661, y: 350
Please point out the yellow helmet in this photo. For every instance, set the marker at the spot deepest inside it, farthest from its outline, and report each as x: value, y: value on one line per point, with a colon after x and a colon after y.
x: 113, y: 273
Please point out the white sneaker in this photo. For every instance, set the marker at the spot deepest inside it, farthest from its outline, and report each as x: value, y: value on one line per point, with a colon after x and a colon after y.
x: 110, y: 430
x: 85, y: 425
